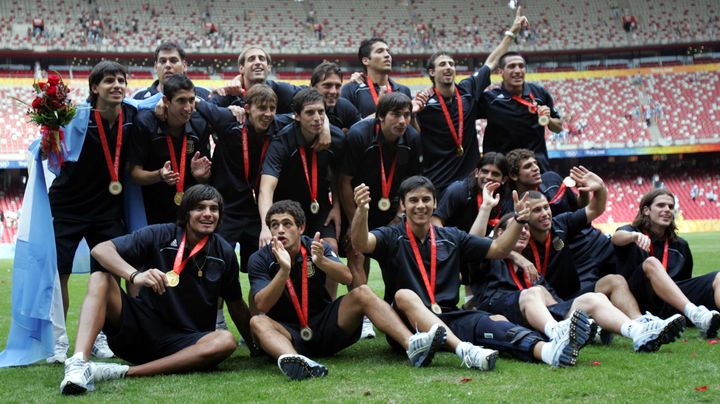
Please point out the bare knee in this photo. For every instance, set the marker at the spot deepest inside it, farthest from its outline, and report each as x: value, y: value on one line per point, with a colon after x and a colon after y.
x: 530, y: 296
x: 260, y: 324
x: 716, y: 281
x: 498, y: 317
x: 100, y: 283
x: 362, y: 294
x: 406, y: 299
x: 221, y: 343
x: 591, y: 301
x: 609, y: 283
x: 651, y: 266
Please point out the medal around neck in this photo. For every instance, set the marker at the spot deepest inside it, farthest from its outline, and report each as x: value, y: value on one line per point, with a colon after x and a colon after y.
x: 569, y: 182
x: 384, y: 204
x: 178, y: 197
x: 436, y: 308
x: 314, y: 207
x: 115, y: 187
x: 544, y: 120
x: 306, y: 333
x: 173, y: 279
x: 558, y: 244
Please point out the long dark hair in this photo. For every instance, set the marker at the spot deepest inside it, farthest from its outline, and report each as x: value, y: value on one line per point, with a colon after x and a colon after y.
x: 496, y: 159
x: 642, y: 221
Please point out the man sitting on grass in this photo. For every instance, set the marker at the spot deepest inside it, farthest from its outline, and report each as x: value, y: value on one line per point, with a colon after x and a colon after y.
x: 170, y: 326
x: 287, y: 279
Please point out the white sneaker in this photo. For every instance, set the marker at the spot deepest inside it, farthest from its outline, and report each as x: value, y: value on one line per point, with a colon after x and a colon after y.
x: 423, y: 345
x: 368, y: 331
x: 706, y: 321
x: 480, y: 358
x: 78, y: 376
x: 568, y: 337
x: 108, y: 371
x: 100, y: 348
x: 60, y: 351
x: 655, y: 332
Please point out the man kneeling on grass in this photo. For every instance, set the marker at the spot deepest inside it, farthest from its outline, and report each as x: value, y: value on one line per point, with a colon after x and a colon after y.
x: 287, y: 283
x: 170, y: 326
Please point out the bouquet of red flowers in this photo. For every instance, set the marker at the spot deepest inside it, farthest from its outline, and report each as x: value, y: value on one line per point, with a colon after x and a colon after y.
x: 51, y: 109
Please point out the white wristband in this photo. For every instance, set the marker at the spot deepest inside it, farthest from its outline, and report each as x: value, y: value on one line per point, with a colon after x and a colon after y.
x: 510, y: 34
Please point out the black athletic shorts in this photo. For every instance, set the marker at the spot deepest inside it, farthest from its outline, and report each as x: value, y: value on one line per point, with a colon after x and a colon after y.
x: 328, y: 338
x: 698, y: 290
x: 508, y: 304
x: 69, y: 233
x: 143, y: 336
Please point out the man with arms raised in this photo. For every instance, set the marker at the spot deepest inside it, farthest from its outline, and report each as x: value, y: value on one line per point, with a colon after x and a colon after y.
x: 170, y: 327
x: 288, y: 280
x: 658, y: 265
x: 169, y: 61
x: 422, y: 264
x: 446, y: 118
x: 374, y: 56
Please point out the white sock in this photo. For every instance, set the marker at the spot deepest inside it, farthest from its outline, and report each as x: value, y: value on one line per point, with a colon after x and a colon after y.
x: 550, y: 327
x: 546, y: 353
x: 689, y: 309
x: 462, y: 348
x: 626, y: 327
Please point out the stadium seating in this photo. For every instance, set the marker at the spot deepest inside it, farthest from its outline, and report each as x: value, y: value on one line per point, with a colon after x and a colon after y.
x: 455, y: 25
x: 10, y: 204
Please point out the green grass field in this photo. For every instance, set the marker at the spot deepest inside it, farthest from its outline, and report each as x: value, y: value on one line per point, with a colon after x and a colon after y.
x: 369, y: 371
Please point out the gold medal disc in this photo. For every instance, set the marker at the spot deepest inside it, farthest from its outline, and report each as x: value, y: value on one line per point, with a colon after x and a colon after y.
x: 569, y: 182
x: 173, y: 279
x: 178, y: 197
x: 384, y: 204
x: 544, y: 120
x: 436, y: 308
x: 460, y: 151
x: 314, y: 207
x: 558, y: 244
x: 306, y: 333
x: 115, y: 187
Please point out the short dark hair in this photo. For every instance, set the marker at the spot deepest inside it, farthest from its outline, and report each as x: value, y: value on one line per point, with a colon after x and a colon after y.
x: 494, y: 158
x: 323, y: 70
x: 501, y: 61
x: 413, y: 183
x: 175, y: 83
x: 292, y: 208
x: 389, y: 102
x: 241, y: 57
x: 102, y: 69
x: 642, y: 222
x: 502, y: 223
x: 170, y: 46
x: 260, y: 94
x: 431, y: 62
x: 532, y: 194
x: 193, y: 196
x: 306, y: 96
x: 366, y: 48
x: 515, y: 157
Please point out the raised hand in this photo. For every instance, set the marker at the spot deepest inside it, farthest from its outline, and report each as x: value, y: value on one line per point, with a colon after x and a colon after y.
x: 280, y: 253
x: 522, y: 207
x: 362, y: 197
x: 490, y: 198
x: 586, y: 180
x: 200, y: 166
x: 168, y: 175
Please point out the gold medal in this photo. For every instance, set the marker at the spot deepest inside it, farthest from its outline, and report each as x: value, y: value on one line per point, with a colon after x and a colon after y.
x: 179, y: 197
x: 460, y: 151
x: 384, y: 204
x: 569, y: 182
x: 115, y: 187
x: 306, y: 333
x: 436, y: 308
x: 173, y: 279
x: 544, y: 120
x: 558, y: 244
x: 311, y: 269
x: 314, y: 207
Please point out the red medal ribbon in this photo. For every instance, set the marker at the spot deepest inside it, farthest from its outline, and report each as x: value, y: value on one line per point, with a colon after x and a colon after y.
x: 312, y: 182
x: 112, y: 164
x: 456, y: 134
x: 179, y: 263
x: 665, y: 251
x: 531, y: 105
x: 302, y: 311
x: 373, y: 92
x: 525, y: 283
x: 180, y: 185
x: 494, y: 221
x: 429, y: 284
x: 536, y: 254
x: 560, y: 193
x: 386, y: 183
